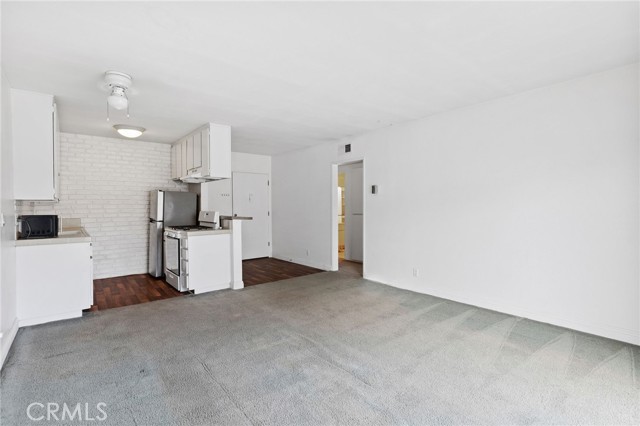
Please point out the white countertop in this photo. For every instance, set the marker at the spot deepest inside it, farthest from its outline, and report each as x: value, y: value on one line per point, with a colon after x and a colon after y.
x: 70, y: 235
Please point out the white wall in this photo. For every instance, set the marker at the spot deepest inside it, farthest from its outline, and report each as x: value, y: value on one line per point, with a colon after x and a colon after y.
x: 214, y: 194
x: 106, y: 183
x: 250, y: 163
x: 528, y: 204
x: 8, y: 317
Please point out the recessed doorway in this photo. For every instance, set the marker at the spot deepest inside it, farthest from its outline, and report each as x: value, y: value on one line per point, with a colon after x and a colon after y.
x: 348, y: 218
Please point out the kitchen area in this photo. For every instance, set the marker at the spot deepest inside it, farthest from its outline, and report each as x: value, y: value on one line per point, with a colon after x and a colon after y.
x: 94, y: 209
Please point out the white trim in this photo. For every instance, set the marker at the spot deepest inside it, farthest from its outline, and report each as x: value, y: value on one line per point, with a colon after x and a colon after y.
x: 6, y: 341
x: 50, y: 318
x: 236, y: 254
x: 603, y: 330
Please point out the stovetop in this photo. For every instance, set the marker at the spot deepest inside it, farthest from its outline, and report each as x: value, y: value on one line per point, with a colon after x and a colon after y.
x: 190, y: 228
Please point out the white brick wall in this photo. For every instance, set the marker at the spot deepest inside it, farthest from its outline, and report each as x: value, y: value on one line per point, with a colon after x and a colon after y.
x: 106, y: 183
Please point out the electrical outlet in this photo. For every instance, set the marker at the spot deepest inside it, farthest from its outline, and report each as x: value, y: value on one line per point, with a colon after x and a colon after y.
x: 307, y: 252
x: 416, y: 272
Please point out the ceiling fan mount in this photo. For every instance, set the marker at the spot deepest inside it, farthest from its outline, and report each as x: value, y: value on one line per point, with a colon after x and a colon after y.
x: 117, y: 79
x: 117, y: 84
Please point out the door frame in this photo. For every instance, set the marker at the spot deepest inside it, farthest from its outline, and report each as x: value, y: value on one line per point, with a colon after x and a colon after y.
x: 334, y: 213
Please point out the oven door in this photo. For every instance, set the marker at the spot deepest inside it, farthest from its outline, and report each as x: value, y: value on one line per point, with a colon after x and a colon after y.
x: 172, y: 262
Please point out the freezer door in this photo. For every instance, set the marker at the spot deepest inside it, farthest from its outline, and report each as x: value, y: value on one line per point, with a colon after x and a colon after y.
x: 180, y: 208
x: 156, y: 268
x: 156, y: 203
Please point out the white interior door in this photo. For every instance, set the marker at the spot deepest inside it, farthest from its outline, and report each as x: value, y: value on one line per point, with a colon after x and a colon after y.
x: 251, y: 198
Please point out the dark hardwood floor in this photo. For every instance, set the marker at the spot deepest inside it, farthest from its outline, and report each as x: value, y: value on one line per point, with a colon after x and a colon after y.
x: 130, y: 290
x: 133, y: 289
x: 268, y: 269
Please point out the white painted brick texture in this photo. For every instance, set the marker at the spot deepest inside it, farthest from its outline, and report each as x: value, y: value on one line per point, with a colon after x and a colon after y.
x: 106, y: 183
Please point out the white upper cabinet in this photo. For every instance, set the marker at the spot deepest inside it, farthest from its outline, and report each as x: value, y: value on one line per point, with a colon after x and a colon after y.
x: 203, y: 155
x: 35, y: 145
x: 219, y: 151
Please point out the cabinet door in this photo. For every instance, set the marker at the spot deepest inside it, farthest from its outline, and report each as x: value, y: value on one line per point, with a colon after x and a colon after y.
x: 197, y: 150
x: 56, y: 154
x: 33, y: 129
x: 174, y: 162
x: 189, y: 153
x: 204, y: 141
x: 61, y: 287
x: 183, y: 161
x: 209, y: 262
x: 219, y: 151
x: 178, y: 147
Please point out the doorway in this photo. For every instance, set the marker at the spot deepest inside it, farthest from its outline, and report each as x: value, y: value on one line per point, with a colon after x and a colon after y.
x: 349, y: 218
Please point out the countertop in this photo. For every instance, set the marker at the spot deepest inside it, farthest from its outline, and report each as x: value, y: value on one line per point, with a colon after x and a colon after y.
x: 203, y: 233
x: 236, y: 218
x: 69, y: 235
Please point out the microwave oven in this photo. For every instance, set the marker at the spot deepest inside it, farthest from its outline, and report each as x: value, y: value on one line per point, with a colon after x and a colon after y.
x: 37, y: 226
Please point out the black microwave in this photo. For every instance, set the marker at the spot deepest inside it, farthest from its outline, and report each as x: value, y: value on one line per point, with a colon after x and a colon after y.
x: 37, y: 226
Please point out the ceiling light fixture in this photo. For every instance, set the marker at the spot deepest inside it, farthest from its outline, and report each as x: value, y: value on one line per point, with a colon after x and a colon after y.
x: 117, y: 83
x: 129, y: 131
x: 118, y: 98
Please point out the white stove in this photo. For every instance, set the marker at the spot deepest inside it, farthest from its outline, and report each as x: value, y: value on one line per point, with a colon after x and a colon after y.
x: 176, y: 247
x: 185, y: 230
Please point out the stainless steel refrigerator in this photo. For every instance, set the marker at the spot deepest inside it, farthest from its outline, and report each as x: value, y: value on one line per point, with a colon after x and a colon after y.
x: 168, y: 208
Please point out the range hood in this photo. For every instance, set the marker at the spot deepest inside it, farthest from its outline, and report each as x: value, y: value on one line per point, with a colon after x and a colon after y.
x: 195, y: 179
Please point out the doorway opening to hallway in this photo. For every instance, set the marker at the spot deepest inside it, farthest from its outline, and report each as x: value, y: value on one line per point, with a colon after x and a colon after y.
x: 349, y: 218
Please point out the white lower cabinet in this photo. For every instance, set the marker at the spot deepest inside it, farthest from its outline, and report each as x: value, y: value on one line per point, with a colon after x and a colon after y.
x: 209, y: 262
x: 54, y: 282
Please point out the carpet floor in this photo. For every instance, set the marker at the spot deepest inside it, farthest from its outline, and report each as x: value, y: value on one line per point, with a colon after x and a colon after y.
x: 324, y: 349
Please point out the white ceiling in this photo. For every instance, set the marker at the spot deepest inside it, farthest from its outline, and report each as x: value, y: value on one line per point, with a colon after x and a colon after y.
x: 288, y: 75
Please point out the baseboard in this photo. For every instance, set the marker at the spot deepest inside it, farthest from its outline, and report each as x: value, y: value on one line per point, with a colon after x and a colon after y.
x: 50, y: 318
x: 303, y: 261
x: 603, y: 330
x: 6, y: 340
